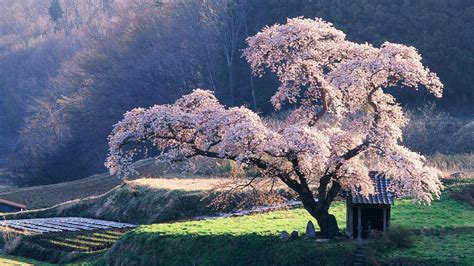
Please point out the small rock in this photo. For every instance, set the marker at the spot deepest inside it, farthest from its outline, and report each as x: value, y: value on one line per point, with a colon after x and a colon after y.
x: 294, y: 235
x: 284, y: 236
x: 322, y: 240
x: 310, y: 231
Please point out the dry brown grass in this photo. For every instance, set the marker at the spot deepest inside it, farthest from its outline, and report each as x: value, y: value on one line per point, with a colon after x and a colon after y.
x: 186, y: 184
x: 452, y: 163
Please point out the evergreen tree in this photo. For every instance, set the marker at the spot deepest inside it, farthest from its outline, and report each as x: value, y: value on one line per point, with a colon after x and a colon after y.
x: 55, y: 10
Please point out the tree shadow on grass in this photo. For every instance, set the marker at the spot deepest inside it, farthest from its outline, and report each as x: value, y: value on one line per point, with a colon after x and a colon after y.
x: 465, y: 194
x: 443, y: 231
x: 226, y: 249
x: 432, y: 246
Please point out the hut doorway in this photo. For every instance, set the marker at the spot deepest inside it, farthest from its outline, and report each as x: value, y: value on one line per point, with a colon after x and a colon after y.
x: 370, y: 219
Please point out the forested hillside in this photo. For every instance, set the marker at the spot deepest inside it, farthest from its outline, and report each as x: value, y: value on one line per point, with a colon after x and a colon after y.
x: 70, y: 69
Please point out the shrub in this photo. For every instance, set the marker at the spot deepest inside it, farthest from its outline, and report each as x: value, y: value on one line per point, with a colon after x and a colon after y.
x: 396, y: 237
x: 12, y: 244
x: 466, y: 195
x: 401, y: 237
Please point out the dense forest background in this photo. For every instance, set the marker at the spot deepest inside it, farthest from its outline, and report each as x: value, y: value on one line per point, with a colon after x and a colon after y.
x: 69, y: 69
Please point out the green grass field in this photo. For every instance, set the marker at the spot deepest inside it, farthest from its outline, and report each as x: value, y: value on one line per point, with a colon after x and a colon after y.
x: 249, y: 240
x: 444, y: 231
x: 444, y: 234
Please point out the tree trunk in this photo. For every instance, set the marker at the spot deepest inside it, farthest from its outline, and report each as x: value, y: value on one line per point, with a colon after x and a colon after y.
x: 252, y: 90
x: 231, y: 82
x: 328, y: 224
x: 320, y: 210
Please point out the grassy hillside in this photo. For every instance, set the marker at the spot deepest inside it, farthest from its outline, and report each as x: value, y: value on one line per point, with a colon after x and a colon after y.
x: 249, y: 240
x: 50, y: 195
x: 140, y: 201
x: 8, y: 260
x: 444, y: 233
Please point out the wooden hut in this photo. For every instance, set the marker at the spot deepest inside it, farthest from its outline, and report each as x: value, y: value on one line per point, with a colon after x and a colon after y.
x: 365, y: 214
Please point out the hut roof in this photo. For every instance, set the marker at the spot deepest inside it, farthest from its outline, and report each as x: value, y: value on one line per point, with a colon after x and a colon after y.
x: 381, y: 194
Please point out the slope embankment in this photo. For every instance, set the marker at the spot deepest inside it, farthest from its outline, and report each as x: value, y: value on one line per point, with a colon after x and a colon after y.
x: 141, y: 201
x: 49, y: 195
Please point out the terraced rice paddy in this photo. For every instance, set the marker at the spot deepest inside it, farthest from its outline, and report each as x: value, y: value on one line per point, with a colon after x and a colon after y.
x: 85, y: 242
x: 61, y: 224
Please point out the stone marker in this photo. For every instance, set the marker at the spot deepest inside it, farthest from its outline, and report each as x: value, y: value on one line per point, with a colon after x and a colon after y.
x: 321, y: 240
x: 310, y: 231
x: 294, y: 235
x: 284, y: 236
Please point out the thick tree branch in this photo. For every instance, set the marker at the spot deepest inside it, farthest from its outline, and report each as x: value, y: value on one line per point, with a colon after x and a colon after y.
x: 284, y: 177
x: 320, y: 114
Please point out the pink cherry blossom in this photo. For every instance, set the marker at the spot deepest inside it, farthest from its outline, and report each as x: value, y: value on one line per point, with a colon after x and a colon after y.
x: 345, y: 123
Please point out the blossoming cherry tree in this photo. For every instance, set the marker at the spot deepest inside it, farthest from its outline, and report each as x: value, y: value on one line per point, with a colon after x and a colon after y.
x: 343, y: 124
